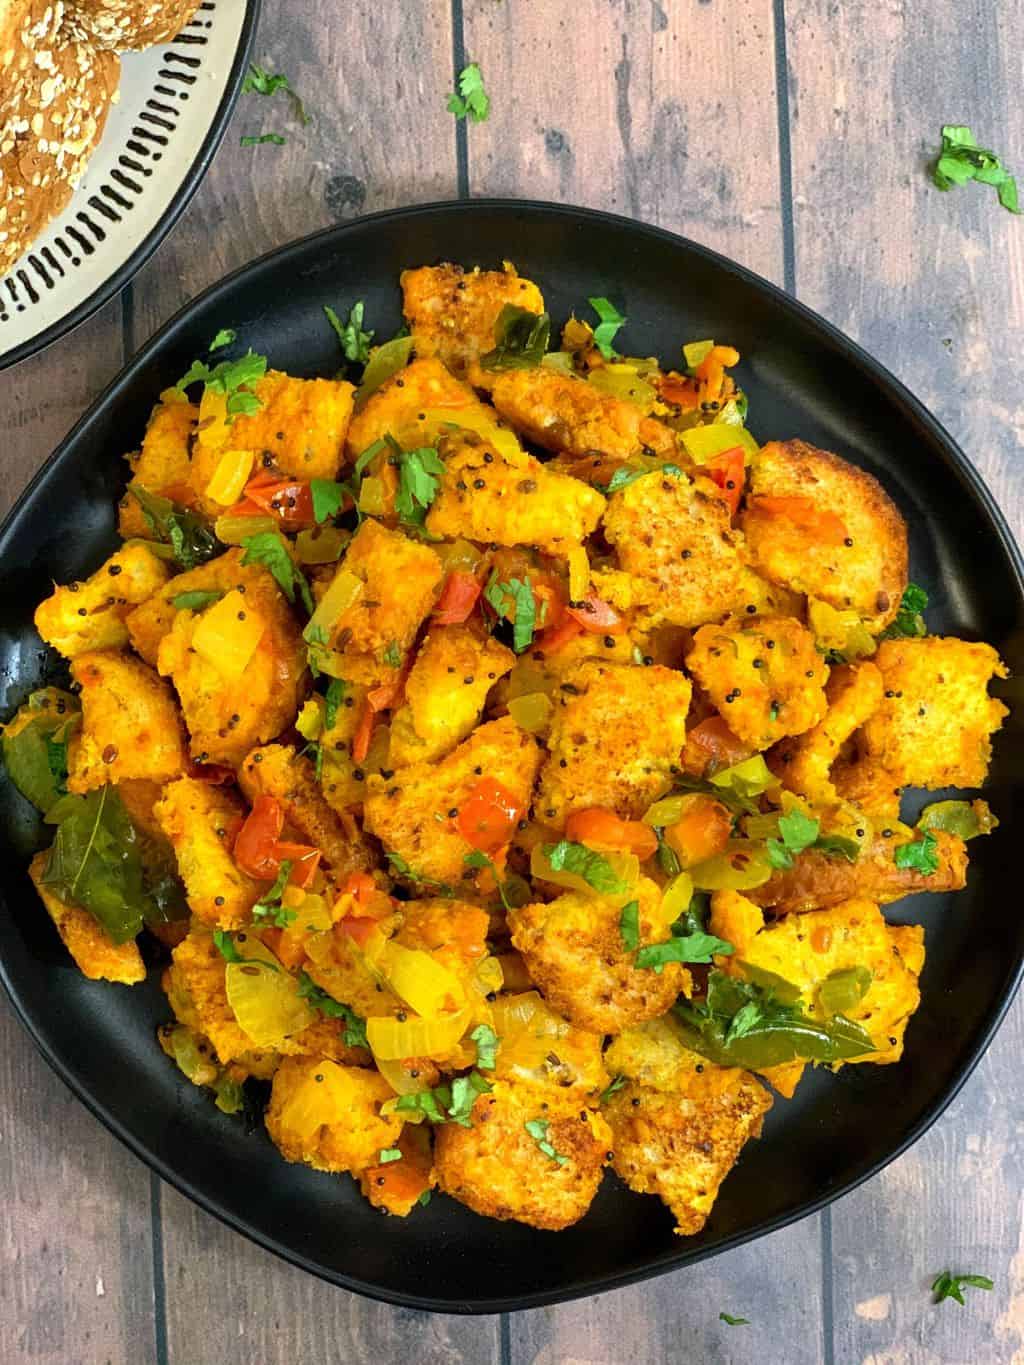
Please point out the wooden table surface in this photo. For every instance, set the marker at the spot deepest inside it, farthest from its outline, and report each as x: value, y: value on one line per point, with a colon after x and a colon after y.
x: 793, y: 135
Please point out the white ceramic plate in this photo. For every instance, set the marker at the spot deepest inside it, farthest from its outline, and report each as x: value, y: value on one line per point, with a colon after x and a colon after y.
x: 174, y: 104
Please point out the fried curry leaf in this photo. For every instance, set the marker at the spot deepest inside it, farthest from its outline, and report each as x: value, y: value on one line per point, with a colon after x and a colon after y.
x: 95, y: 862
x: 520, y: 339
x: 189, y: 537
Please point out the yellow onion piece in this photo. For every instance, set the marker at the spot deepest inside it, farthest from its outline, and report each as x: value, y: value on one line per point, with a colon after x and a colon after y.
x: 228, y: 634
x: 344, y: 590
x: 458, y: 554
x: 263, y: 997
x: 532, y: 712
x: 392, y: 1039
x: 372, y: 496
x: 213, y: 431
x: 705, y: 442
x: 321, y: 545
x: 310, y: 720
x: 234, y: 530
x: 423, y: 983
x: 511, y: 1013
x: 842, y: 631
x: 396, y: 1073
x: 488, y: 977
x: 741, y: 867
x: 676, y: 898
x: 625, y: 868
x: 579, y: 574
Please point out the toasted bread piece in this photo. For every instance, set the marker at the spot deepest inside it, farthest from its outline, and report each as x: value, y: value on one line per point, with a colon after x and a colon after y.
x: 451, y: 312
x: 96, y: 954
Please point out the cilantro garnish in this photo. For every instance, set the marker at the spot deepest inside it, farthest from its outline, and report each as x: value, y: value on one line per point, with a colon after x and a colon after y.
x: 471, y: 99
x: 604, y: 332
x: 486, y: 1045
x: 355, y: 343
x: 480, y: 859
x: 355, y: 1025
x: 388, y: 1154
x: 403, y: 869
x: 908, y: 621
x: 947, y: 1286
x: 269, y: 907
x: 269, y: 549
x: 249, y: 141
x: 919, y: 855
x: 624, y: 476
x: 733, y: 1322
x: 226, y: 946
x: 328, y: 498
x: 334, y: 698
x: 260, y: 82
x: 196, y: 600
x: 798, y: 831
x: 234, y: 378
x: 514, y: 601
x: 224, y: 337
x: 538, y: 1130
x: 594, y: 868
x: 629, y: 926
x: 838, y: 846
x: 424, y: 1198
x: 446, y: 1103
x: 961, y: 159
x: 616, y: 1085
x: 696, y: 947
x: 418, y: 474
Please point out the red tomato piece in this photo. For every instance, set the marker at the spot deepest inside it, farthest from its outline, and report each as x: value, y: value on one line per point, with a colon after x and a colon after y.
x: 597, y: 616
x: 459, y: 596
x: 728, y: 472
x: 488, y: 816
x: 304, y: 860
x: 712, y: 744
x: 600, y: 828
x: 290, y: 500
x: 255, y: 849
x: 358, y: 929
x: 364, y: 732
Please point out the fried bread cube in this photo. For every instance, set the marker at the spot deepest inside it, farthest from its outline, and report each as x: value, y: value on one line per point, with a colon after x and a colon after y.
x: 301, y: 425
x: 935, y: 723
x: 806, y: 949
x: 201, y: 821
x: 616, y: 733
x: 545, y: 1176
x: 163, y: 463
x: 410, y: 811
x: 674, y: 537
x: 573, y: 950
x: 506, y: 497
x: 414, y: 398
x: 799, y: 541
x: 277, y: 770
x: 680, y: 1122
x: 228, y: 711
x: 401, y: 579
x: 397, y: 1187
x: 817, y: 881
x: 804, y: 763
x: 455, y: 668
x: 539, y: 1048
x: 130, y: 725
x: 452, y: 312
x: 764, y: 675
x: 95, y: 953
x: 868, y: 785
x: 567, y: 415
x: 91, y: 615
x: 328, y: 1115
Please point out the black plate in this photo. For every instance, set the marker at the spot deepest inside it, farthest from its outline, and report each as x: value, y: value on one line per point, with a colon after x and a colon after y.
x: 804, y: 379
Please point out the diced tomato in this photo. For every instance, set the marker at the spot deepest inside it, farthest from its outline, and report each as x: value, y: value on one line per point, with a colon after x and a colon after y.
x: 728, y: 471
x: 290, y: 500
x: 390, y: 694
x: 304, y: 860
x: 488, y: 816
x: 256, y: 844
x: 701, y: 831
x: 597, y: 616
x: 804, y: 514
x: 459, y: 596
x: 678, y: 390
x: 552, y: 640
x: 360, y: 886
x: 216, y: 774
x: 601, y: 829
x: 364, y: 732
x: 357, y: 928
x: 712, y: 743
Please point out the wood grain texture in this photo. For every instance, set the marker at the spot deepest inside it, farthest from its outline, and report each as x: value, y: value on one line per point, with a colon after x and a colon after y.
x: 646, y: 107
x: 933, y: 285
x: 229, y: 1301
x: 375, y: 81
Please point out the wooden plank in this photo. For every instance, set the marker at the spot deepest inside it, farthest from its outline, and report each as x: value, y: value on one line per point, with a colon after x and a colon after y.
x: 375, y: 82
x: 933, y: 285
x: 74, y: 1223
x: 675, y: 1317
x: 656, y: 109
x: 231, y: 1302
x: 75, y: 1217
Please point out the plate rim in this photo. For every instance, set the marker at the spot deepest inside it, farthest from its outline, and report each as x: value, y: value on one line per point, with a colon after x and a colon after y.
x: 193, y: 178
x: 957, y: 461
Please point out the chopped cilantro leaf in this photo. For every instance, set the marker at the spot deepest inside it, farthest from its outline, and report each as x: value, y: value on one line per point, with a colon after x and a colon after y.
x: 919, y: 855
x: 226, y: 946
x: 695, y: 947
x: 480, y: 859
x: 233, y: 378
x: 486, y: 1045
x: 355, y: 343
x: 538, y: 1130
x: 613, y: 1089
x: 947, y: 1286
x: 594, y: 868
x: 261, y: 82
x: 269, y: 907
x: 624, y: 476
x: 224, y: 337
x: 403, y: 869
x: 355, y: 1025
x: 393, y: 655
x: 908, y: 621
x: 629, y: 926
x: 328, y: 498
x: 333, y: 700
x: 250, y: 141
x: 389, y: 1154
x: 961, y: 160
x: 418, y: 474
x: 798, y: 832
x: 604, y: 332
x: 514, y: 601
x: 733, y: 1322
x: 269, y: 549
x: 471, y: 99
